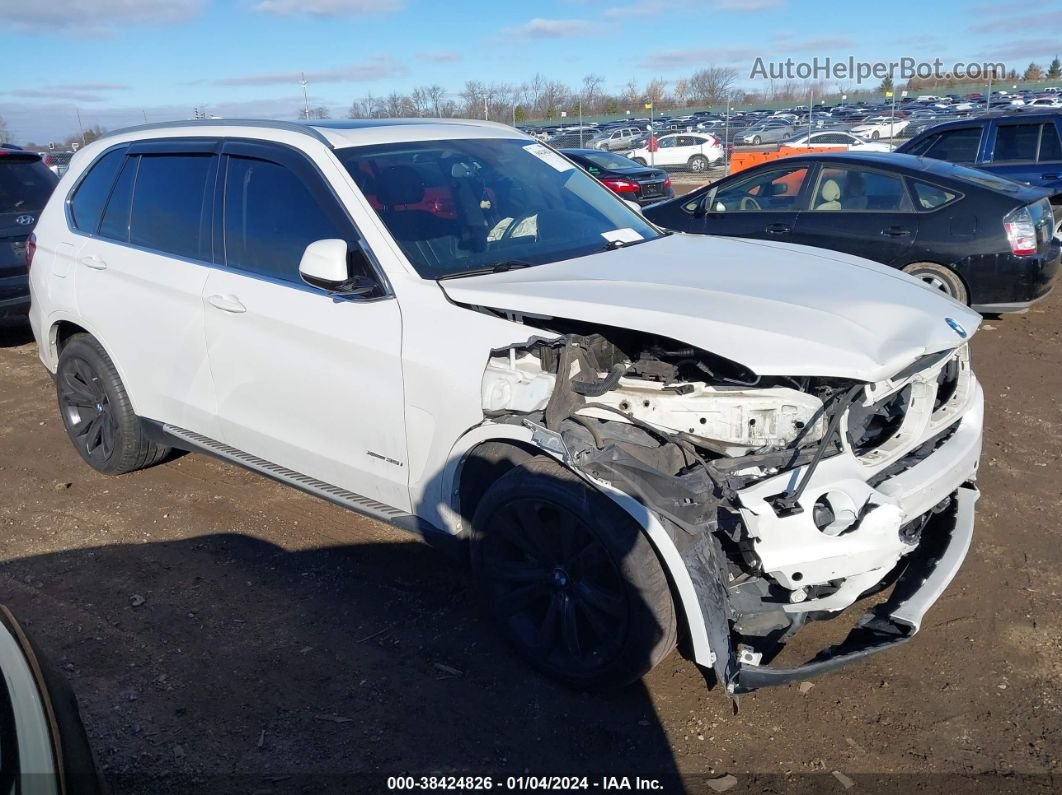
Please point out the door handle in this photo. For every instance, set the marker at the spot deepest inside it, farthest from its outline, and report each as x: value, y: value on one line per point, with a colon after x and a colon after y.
x: 227, y: 303
x: 895, y: 231
x: 94, y: 262
x: 779, y: 229
x: 1050, y: 176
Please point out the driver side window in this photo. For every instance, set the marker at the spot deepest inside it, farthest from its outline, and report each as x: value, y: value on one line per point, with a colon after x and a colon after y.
x: 776, y: 189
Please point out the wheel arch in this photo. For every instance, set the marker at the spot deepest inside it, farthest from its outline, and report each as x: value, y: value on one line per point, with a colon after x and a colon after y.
x: 498, y: 448
x: 947, y: 266
x: 60, y: 331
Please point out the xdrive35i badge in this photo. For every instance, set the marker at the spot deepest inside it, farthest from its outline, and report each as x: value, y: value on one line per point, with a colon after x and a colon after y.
x: 956, y: 327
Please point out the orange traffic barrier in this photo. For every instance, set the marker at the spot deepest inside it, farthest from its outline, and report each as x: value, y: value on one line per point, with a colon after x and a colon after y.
x: 739, y: 161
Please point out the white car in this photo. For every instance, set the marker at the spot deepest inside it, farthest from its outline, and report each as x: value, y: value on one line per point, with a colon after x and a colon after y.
x: 877, y: 127
x: 695, y: 151
x: 449, y: 327
x: 1047, y: 102
x: 833, y: 139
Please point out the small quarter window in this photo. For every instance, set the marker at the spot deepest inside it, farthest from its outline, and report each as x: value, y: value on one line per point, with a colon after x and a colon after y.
x: 91, y: 195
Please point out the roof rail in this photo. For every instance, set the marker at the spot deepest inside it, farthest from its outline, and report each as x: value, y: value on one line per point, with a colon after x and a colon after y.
x: 268, y: 124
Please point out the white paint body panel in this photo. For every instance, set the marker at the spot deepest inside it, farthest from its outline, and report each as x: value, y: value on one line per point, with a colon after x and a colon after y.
x: 779, y: 309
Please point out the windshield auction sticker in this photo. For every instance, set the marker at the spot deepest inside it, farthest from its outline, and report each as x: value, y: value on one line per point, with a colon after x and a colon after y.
x: 547, y: 155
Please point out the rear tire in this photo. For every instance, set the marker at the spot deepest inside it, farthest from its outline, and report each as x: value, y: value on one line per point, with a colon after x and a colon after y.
x: 1056, y: 209
x: 698, y: 163
x: 97, y: 413
x: 569, y: 579
x: 940, y: 277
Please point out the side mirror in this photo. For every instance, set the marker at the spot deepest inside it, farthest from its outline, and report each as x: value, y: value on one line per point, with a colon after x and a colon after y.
x: 326, y: 264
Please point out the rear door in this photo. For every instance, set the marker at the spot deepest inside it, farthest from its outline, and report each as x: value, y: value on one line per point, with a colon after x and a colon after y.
x: 140, y: 271
x: 860, y: 211
x: 25, y: 185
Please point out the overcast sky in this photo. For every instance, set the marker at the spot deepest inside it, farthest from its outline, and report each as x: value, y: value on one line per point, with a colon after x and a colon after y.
x: 118, y: 62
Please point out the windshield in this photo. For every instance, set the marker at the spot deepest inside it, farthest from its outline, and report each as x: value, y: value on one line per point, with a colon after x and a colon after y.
x: 459, y: 206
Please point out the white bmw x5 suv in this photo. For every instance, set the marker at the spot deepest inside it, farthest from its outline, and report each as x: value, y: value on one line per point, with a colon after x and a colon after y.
x: 449, y: 327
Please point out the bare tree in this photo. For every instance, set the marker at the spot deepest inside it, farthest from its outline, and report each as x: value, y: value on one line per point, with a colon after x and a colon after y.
x: 631, y: 94
x: 591, y: 91
x: 656, y: 92
x: 682, y: 91
x: 419, y: 101
x: 436, y: 94
x: 712, y: 84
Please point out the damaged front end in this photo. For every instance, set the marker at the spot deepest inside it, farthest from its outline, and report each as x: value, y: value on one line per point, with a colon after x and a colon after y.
x: 787, y: 499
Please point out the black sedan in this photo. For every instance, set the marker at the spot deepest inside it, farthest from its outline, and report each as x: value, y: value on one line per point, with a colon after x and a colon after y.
x: 625, y: 177
x: 983, y: 240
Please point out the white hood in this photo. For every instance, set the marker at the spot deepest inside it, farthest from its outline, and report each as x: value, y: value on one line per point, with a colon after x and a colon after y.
x: 777, y: 308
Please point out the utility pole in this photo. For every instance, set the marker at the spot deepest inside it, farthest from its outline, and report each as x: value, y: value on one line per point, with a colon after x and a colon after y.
x: 80, y: 126
x: 486, y: 114
x: 305, y: 96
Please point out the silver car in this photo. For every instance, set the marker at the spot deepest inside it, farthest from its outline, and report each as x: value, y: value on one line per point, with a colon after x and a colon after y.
x: 612, y: 140
x: 764, y: 133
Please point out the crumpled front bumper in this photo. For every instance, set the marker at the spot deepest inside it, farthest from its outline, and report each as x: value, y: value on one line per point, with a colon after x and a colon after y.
x: 929, y: 570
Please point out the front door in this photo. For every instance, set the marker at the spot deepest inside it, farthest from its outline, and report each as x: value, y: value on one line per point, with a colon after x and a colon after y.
x: 762, y: 205
x: 306, y: 380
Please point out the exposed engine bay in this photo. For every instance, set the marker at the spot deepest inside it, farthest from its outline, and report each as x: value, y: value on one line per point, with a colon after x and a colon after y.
x: 776, y: 489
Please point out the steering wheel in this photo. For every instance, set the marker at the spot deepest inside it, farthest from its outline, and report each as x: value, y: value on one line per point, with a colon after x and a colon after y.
x: 749, y: 203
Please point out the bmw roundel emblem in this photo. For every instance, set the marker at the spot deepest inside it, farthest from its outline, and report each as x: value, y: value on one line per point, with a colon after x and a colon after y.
x: 25, y: 220
x: 956, y: 327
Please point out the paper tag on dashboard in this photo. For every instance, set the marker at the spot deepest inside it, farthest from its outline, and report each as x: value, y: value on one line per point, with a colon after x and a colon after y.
x: 625, y: 235
x: 547, y: 155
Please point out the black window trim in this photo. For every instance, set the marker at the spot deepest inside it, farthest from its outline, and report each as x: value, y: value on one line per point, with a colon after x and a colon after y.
x: 199, y: 144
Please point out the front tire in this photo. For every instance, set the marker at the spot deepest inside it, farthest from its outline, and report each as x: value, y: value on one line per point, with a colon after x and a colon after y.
x: 941, y: 278
x: 97, y: 413
x: 570, y: 580
x: 755, y: 140
x: 875, y: 135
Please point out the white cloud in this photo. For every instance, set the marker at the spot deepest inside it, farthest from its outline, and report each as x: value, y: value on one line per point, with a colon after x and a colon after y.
x: 440, y: 57
x: 96, y: 17
x: 539, y: 28
x: 694, y: 57
x: 328, y: 8
x: 372, y: 69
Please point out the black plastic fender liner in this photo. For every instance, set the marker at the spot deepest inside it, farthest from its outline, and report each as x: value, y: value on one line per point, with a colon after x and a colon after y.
x: 928, y: 570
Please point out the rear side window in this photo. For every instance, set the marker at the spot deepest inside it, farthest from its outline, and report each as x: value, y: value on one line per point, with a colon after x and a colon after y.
x: 1050, y: 146
x: 956, y: 146
x: 91, y: 195
x: 930, y: 197
x: 169, y: 204
x: 1016, y: 142
x: 270, y: 218
x: 25, y: 184
x: 115, y: 223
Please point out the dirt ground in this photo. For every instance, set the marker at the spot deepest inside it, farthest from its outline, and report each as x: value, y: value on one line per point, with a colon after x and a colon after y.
x: 224, y: 633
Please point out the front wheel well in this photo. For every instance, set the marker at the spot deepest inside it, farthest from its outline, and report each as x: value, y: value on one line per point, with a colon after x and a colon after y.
x: 482, y: 466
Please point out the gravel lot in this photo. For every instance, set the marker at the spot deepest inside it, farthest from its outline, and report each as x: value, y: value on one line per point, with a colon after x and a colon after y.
x: 227, y: 634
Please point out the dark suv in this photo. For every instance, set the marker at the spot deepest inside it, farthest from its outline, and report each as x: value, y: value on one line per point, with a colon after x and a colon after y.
x: 25, y: 185
x: 1025, y: 147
